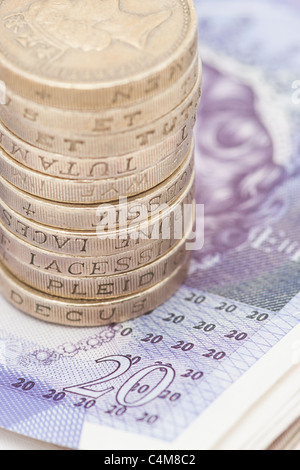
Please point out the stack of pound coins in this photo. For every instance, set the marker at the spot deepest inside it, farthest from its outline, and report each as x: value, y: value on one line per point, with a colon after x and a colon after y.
x: 96, y: 155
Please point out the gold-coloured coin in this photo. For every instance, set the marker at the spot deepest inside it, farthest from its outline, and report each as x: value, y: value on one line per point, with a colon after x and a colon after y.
x: 65, y: 167
x: 109, y: 145
x: 88, y: 313
x: 79, y: 266
x: 102, y: 286
x: 65, y: 122
x: 91, y: 244
x: 89, y: 192
x: 89, y: 217
x: 95, y: 55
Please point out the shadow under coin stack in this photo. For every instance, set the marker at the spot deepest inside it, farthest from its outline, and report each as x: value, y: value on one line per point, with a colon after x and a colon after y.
x: 96, y: 137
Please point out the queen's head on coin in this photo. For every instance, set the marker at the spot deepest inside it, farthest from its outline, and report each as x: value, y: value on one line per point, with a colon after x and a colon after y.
x: 90, y: 25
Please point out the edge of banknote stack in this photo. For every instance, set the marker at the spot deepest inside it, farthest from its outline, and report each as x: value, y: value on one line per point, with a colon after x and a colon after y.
x: 84, y: 177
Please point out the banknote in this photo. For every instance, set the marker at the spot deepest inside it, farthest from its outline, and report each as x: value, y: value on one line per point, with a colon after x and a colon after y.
x: 154, y: 378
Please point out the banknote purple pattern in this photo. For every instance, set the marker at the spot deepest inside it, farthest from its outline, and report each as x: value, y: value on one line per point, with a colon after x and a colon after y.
x: 204, y: 340
x: 236, y: 171
x: 246, y: 192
